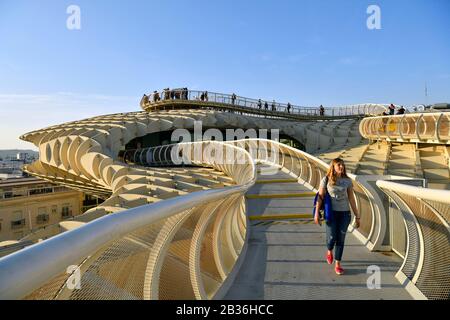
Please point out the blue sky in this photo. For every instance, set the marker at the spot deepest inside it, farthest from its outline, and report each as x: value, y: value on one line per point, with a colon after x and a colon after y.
x: 305, y: 52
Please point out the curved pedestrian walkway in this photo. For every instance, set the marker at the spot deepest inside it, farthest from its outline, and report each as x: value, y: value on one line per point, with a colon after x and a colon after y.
x: 181, y: 98
x: 285, y: 258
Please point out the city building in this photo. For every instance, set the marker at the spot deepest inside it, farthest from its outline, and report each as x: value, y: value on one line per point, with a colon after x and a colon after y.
x: 27, y: 204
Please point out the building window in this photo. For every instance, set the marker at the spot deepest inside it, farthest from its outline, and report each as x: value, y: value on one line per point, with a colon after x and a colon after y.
x: 17, y: 224
x: 42, y: 218
x: 66, y: 211
x: 7, y: 194
x: 16, y: 217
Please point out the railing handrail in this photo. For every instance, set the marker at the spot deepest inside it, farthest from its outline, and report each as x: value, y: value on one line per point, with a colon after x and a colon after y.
x: 410, y: 115
x: 414, y: 127
x: 438, y: 195
x: 227, y: 95
x: 41, y: 262
x: 334, y: 111
x: 318, y: 161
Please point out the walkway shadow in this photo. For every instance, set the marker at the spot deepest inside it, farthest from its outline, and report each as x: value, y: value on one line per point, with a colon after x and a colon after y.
x: 249, y: 283
x: 287, y: 261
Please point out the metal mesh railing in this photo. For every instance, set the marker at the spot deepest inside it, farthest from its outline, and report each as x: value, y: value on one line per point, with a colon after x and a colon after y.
x: 398, y: 232
x: 145, y: 252
x: 442, y: 208
x: 434, y: 279
x: 152, y: 100
x: 117, y: 272
x: 414, y: 127
x: 426, y: 212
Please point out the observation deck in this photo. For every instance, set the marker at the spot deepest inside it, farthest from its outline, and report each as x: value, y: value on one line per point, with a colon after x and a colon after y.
x: 183, y: 98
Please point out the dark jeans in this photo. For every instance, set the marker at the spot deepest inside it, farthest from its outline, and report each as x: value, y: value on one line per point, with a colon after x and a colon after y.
x: 336, y: 231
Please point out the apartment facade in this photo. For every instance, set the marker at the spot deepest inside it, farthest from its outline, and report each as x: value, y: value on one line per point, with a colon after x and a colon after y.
x: 28, y: 204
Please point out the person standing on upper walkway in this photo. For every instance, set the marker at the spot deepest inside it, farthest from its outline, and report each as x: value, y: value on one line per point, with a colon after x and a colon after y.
x: 401, y: 110
x: 340, y: 189
x: 289, y: 107
x: 321, y: 110
x: 185, y: 93
x: 144, y: 100
x: 274, y: 108
x: 266, y: 105
x: 259, y: 104
x: 156, y: 97
x: 233, y: 98
x: 391, y: 109
x: 166, y: 94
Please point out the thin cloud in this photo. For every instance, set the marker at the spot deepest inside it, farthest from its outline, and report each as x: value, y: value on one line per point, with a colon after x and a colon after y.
x: 297, y: 57
x: 28, y: 112
x: 347, y: 61
x: 266, y: 57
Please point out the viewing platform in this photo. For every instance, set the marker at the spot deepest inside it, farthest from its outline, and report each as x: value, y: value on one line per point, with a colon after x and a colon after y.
x: 183, y: 98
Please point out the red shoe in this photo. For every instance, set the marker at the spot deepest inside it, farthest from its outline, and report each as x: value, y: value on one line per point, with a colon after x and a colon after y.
x: 339, y: 271
x: 329, y: 258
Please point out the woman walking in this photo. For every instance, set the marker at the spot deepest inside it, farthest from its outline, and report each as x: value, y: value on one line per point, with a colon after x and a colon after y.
x: 339, y: 187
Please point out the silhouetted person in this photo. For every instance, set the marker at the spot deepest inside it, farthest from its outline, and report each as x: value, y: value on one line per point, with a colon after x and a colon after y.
x: 206, y: 95
x: 202, y: 96
x: 166, y: 94
x: 259, y: 104
x: 273, y: 106
x: 156, y: 97
x: 266, y: 105
x: 288, y: 108
x: 322, y: 110
x: 401, y: 110
x: 144, y: 100
x: 233, y: 98
x: 391, y: 109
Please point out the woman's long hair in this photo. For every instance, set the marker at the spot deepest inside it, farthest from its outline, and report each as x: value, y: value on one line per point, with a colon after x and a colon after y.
x: 332, y: 175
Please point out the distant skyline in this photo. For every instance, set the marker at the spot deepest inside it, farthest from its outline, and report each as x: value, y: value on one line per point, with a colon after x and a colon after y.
x: 304, y: 52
